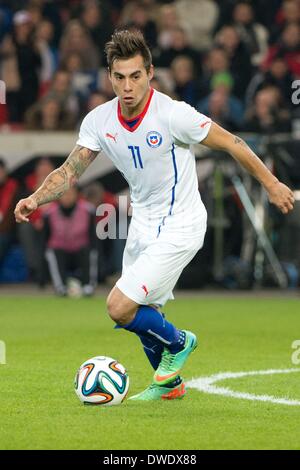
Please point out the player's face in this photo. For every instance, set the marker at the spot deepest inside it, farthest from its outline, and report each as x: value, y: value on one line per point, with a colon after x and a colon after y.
x: 131, y: 83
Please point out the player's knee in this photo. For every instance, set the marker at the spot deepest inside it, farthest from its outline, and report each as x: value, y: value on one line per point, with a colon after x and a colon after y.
x: 112, y: 308
x: 118, y: 312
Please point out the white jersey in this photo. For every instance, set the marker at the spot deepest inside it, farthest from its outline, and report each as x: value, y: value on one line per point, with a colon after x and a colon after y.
x: 156, y: 159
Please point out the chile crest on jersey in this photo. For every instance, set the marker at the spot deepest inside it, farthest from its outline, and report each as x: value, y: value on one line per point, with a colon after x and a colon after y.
x: 154, y: 139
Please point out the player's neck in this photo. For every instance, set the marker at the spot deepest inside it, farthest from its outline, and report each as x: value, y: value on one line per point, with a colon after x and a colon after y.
x: 131, y: 113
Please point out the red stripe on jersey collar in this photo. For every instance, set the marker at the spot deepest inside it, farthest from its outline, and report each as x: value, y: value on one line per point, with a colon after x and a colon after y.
x: 139, y: 117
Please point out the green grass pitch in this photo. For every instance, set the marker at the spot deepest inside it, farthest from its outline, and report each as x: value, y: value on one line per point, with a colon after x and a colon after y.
x: 48, y: 338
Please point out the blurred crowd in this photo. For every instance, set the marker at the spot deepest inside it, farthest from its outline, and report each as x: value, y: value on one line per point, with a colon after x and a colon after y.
x: 60, y: 241
x: 234, y: 60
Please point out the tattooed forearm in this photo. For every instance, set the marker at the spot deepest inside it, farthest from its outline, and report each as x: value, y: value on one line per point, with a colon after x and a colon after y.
x: 238, y: 140
x: 53, y: 187
x: 78, y: 161
x: 61, y: 179
x: 220, y: 139
x: 251, y: 162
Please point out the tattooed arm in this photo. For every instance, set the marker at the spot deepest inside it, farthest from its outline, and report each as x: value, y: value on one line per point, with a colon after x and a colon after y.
x: 57, y: 182
x: 278, y: 193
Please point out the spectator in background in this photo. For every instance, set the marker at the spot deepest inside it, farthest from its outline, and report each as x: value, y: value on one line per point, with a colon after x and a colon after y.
x: 253, y: 35
x: 105, y: 84
x: 31, y: 235
x: 53, y: 12
x: 43, y: 38
x: 43, y: 167
x: 198, y: 20
x: 288, y: 47
x: 179, y: 46
x: 185, y: 84
x: 167, y: 21
x: 21, y: 62
x: 240, y: 64
x: 277, y: 75
x: 8, y: 196
x: 136, y: 15
x: 95, y: 99
x: 35, y: 10
x: 49, y: 115
x: 268, y: 114
x: 289, y: 13
x: 221, y: 106
x: 182, y: 27
x: 158, y: 84
x: 216, y: 62
x: 72, y: 63
x: 76, y: 39
x: 225, y: 13
x: 69, y: 231
x: 94, y: 19
x: 110, y: 250
x: 265, y: 12
x: 82, y: 82
x: 61, y: 90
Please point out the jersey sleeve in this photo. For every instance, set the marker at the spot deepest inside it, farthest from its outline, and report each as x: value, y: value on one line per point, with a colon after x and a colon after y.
x: 88, y: 135
x: 188, y: 125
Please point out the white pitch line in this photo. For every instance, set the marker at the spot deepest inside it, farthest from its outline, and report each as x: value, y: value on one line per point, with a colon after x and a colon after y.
x: 206, y: 385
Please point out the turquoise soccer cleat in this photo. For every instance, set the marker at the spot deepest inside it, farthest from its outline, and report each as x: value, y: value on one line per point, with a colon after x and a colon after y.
x: 157, y: 392
x: 171, y: 364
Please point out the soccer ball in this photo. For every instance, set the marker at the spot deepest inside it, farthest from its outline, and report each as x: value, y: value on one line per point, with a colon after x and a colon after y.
x: 101, y: 381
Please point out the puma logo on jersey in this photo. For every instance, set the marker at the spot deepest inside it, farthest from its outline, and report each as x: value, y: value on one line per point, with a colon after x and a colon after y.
x: 113, y: 137
x: 205, y: 123
x: 145, y: 289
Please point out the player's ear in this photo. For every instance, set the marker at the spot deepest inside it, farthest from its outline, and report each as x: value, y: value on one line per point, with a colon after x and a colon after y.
x: 109, y: 73
x: 151, y: 72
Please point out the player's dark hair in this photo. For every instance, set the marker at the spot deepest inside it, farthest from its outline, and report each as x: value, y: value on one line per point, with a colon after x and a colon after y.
x: 125, y: 44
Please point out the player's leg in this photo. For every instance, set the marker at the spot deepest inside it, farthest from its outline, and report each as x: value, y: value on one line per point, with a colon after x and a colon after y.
x: 153, y: 349
x: 139, y: 319
x: 144, y: 320
x: 151, y: 279
x: 175, y: 389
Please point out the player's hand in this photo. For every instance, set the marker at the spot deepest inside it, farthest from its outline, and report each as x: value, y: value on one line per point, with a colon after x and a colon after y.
x: 24, y: 208
x: 282, y: 197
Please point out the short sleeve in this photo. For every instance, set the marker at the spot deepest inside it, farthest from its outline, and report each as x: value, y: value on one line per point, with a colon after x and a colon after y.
x: 88, y: 135
x: 188, y: 125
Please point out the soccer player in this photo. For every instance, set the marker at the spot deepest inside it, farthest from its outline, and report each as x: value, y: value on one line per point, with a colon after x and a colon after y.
x: 148, y: 136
